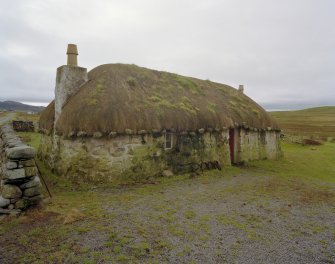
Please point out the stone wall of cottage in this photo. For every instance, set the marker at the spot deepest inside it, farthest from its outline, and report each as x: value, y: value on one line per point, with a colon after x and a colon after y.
x: 115, y: 158
x: 258, y: 145
x: 135, y: 156
x: 20, y: 183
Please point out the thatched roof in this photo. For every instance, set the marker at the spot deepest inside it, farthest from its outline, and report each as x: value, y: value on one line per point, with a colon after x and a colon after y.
x: 119, y: 97
x: 47, y: 117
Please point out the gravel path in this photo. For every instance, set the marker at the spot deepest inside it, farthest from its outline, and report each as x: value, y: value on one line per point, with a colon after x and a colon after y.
x: 228, y: 221
x: 238, y: 219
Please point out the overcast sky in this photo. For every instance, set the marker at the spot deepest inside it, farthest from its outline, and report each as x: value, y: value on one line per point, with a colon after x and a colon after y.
x: 283, y: 51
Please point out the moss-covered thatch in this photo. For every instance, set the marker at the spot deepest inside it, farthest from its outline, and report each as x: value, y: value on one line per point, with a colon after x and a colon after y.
x: 119, y: 97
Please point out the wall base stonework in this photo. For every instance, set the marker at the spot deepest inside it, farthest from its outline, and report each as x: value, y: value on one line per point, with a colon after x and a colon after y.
x: 20, y: 183
x: 139, y: 157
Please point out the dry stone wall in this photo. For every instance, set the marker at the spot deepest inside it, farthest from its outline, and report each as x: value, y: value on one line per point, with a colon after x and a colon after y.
x: 23, y: 126
x: 135, y: 157
x: 99, y: 158
x: 20, y: 183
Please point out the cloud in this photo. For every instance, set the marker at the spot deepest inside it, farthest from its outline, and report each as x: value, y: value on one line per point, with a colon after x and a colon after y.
x: 282, y: 51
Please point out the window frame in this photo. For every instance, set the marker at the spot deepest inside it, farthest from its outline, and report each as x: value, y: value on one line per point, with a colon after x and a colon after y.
x: 170, y: 135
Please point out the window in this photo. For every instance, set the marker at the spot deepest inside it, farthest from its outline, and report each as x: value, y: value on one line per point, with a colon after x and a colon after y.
x: 168, y: 141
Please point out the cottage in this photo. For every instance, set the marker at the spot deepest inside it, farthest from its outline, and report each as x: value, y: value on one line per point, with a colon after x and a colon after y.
x: 123, y: 120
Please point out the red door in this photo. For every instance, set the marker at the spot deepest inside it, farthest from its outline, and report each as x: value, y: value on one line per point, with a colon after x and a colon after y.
x: 231, y: 144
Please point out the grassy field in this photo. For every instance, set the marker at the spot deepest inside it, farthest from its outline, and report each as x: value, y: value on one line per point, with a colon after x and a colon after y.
x: 8, y: 117
x: 266, y: 212
x: 316, y: 122
x: 27, y: 117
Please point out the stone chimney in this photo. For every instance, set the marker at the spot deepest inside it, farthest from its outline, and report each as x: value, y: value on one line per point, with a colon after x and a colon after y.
x: 68, y: 80
x: 241, y: 88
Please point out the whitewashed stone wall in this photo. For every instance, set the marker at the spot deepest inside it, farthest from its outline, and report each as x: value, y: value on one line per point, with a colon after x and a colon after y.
x: 272, y: 146
x: 258, y: 145
x: 68, y: 81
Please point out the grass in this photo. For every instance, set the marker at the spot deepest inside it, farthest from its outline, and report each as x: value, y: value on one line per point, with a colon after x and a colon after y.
x: 2, y: 114
x: 212, y: 107
x: 96, y: 93
x: 315, y: 122
x: 189, y: 84
x: 314, y: 164
x: 22, y: 116
x: 32, y: 138
x: 27, y: 117
x: 160, y: 103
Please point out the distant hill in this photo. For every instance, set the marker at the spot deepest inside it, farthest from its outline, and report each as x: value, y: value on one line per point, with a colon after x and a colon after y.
x: 17, y: 106
x: 318, y: 121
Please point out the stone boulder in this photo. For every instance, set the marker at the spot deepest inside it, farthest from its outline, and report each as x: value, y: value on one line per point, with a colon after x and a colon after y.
x: 30, y: 171
x: 167, y: 173
x: 14, y: 174
x: 4, y: 202
x: 32, y: 191
x: 11, y: 165
x: 21, y: 204
x: 22, y: 152
x: 11, y: 191
x: 25, y: 202
x: 33, y: 183
x: 14, y: 143
x: 97, y: 135
x: 27, y: 163
x: 33, y: 200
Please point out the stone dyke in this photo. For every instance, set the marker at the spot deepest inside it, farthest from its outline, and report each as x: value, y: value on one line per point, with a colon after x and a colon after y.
x: 20, y: 183
x: 23, y: 126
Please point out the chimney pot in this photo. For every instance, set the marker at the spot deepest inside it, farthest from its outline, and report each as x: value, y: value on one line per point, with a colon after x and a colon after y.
x: 72, y: 53
x: 241, y: 88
